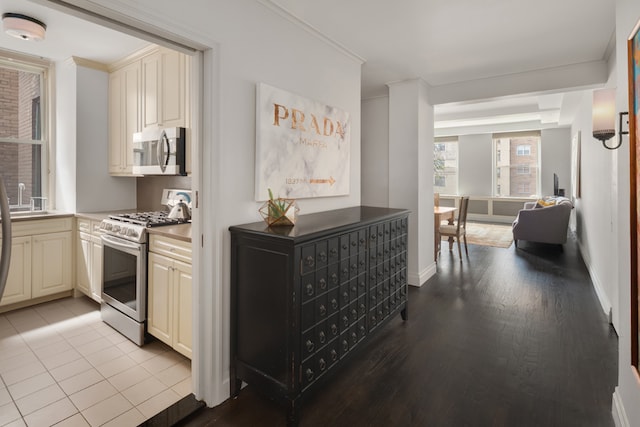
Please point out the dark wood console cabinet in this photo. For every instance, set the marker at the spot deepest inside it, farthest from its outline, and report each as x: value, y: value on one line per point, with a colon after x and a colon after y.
x: 303, y: 298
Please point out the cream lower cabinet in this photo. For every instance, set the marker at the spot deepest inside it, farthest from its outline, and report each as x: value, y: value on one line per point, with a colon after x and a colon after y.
x: 41, y: 260
x: 169, y: 308
x: 89, y: 259
x: 18, y: 286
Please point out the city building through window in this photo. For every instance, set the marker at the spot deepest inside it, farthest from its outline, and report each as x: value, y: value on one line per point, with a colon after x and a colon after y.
x: 445, y: 166
x: 516, y: 164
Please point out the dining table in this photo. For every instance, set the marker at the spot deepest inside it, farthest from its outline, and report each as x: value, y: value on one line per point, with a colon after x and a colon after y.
x: 441, y: 213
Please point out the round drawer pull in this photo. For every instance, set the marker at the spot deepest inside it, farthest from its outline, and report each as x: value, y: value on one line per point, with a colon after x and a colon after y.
x: 345, y: 246
x: 322, y: 337
x: 322, y: 364
x: 309, y: 261
x: 333, y: 252
x: 323, y: 310
x: 334, y: 329
x: 353, y: 243
x: 334, y: 355
x: 345, y: 320
x: 310, y: 374
x: 310, y: 346
x: 345, y: 345
x: 362, y: 309
x: 354, y: 314
x: 334, y: 304
x: 322, y: 256
x: 354, y: 266
x: 309, y: 289
x: 334, y: 278
x: 323, y: 284
x: 345, y: 296
x: 354, y: 337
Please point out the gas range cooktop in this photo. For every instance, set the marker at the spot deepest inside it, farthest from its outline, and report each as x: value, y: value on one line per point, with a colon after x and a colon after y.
x: 146, y: 219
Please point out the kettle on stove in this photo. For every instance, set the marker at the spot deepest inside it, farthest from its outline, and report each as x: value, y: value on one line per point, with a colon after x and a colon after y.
x: 180, y: 211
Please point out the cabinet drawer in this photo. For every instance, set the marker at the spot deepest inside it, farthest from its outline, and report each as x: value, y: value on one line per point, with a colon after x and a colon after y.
x: 41, y: 226
x: 84, y: 225
x: 176, y: 249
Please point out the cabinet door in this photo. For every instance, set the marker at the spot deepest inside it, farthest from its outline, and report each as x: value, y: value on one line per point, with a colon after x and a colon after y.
x: 96, y: 269
x: 116, y: 122
x: 83, y: 264
x: 159, y: 298
x: 124, y: 117
x: 131, y: 116
x: 151, y: 114
x: 173, y: 88
x: 18, y: 286
x: 51, y: 269
x: 183, y: 325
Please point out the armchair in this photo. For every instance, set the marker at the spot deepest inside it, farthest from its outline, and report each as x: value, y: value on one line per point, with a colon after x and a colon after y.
x: 544, y: 224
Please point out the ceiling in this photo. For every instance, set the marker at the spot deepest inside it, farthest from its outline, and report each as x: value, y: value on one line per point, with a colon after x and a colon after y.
x: 443, y: 42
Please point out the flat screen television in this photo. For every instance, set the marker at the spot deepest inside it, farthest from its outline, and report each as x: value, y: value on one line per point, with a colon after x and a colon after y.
x: 555, y: 184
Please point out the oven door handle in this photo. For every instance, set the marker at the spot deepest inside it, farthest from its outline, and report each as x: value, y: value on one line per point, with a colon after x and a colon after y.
x: 119, y: 243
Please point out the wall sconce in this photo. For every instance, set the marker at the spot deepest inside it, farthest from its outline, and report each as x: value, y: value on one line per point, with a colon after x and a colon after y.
x: 604, y: 117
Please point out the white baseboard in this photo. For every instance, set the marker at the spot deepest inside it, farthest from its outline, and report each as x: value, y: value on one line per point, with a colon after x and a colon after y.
x: 617, y: 411
x: 419, y: 279
x: 602, y: 296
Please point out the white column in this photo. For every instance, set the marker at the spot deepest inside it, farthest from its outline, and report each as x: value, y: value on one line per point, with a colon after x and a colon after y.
x: 411, y: 170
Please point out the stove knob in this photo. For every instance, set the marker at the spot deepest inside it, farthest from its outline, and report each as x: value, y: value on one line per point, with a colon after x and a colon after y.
x: 132, y: 233
x: 107, y: 226
x: 123, y: 231
x: 115, y: 228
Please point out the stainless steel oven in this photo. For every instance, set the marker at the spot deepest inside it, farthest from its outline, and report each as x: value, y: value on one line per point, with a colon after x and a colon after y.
x: 124, y: 282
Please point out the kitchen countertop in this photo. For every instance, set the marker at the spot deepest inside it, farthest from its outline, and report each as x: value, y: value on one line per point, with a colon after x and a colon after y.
x: 178, y: 231
x: 31, y: 216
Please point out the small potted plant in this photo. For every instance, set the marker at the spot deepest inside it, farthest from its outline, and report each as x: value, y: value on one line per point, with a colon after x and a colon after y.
x: 280, y: 211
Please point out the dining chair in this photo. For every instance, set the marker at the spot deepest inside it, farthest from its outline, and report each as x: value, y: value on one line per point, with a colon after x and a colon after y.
x: 458, y: 229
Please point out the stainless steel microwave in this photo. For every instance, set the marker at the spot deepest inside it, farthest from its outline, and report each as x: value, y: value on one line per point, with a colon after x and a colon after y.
x: 159, y: 152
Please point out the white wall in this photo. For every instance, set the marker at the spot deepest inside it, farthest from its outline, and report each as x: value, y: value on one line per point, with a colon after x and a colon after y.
x: 82, y: 178
x: 555, y: 158
x: 375, y: 152
x: 96, y: 190
x: 475, y: 167
x: 626, y: 399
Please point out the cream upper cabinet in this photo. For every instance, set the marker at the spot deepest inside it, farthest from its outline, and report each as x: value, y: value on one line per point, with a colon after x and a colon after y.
x: 164, y: 89
x: 150, y: 89
x: 18, y: 286
x: 169, y: 309
x: 124, y: 117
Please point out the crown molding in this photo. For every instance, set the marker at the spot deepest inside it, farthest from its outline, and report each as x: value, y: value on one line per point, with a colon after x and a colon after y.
x: 281, y: 11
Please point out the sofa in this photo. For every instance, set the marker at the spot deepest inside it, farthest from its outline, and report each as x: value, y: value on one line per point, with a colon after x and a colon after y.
x: 544, y: 221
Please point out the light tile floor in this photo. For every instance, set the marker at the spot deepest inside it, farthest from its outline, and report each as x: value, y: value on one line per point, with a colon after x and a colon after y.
x: 61, y: 365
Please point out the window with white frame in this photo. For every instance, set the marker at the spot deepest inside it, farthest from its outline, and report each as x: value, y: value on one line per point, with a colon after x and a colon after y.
x: 445, y: 166
x: 23, y: 148
x: 516, y: 164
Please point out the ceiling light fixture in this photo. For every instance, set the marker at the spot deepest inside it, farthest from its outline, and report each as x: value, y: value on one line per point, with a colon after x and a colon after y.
x: 23, y: 27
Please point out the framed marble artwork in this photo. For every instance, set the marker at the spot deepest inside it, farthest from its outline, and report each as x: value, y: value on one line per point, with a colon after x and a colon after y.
x: 302, y: 146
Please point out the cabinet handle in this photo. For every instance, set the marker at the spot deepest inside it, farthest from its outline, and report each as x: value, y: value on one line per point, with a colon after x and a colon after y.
x: 309, y: 289
x: 310, y: 346
x: 345, y: 320
x: 323, y: 284
x: 310, y: 374
x: 334, y: 304
x: 334, y: 329
x: 323, y: 310
x: 322, y: 256
x: 322, y: 364
x: 322, y: 337
x: 354, y: 337
x: 345, y: 345
x: 334, y: 278
x: 334, y: 355
x: 333, y: 252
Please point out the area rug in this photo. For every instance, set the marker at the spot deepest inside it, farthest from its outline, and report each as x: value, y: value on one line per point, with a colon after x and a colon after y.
x: 485, y: 234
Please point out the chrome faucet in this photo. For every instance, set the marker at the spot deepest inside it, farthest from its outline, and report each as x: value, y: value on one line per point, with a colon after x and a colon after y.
x: 21, y: 188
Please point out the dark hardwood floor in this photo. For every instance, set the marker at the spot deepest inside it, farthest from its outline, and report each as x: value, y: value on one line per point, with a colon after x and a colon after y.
x: 508, y: 337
